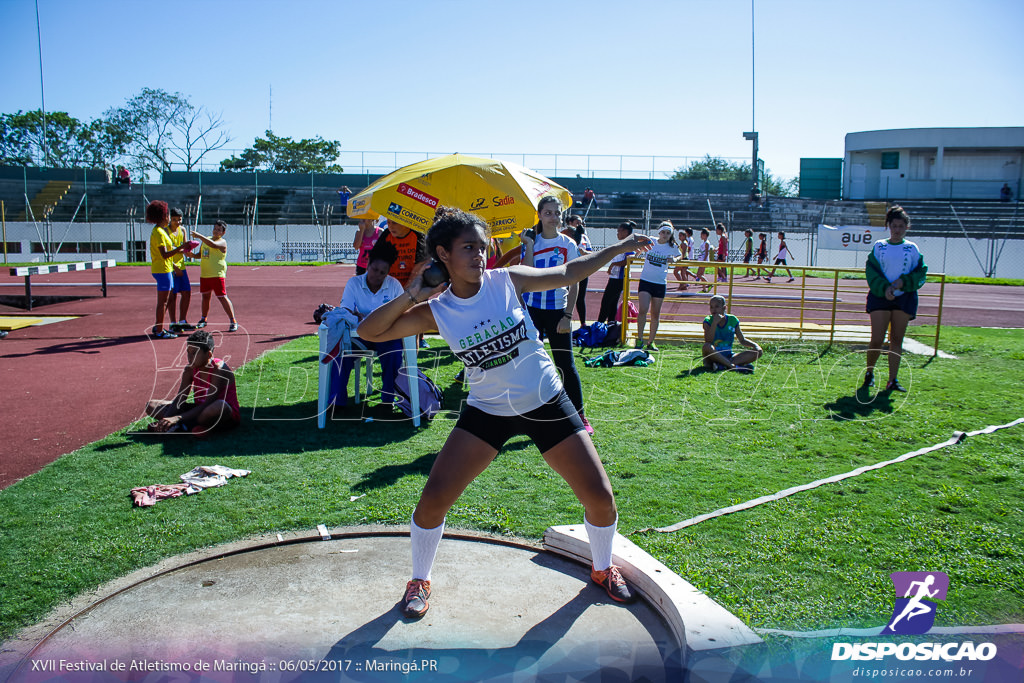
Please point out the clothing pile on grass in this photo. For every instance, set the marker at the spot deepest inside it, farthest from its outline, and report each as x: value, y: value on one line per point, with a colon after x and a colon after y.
x: 618, y: 359
x: 193, y: 481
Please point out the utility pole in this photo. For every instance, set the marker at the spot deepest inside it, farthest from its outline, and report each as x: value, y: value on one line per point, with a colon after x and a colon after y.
x: 42, y: 93
x: 755, y: 186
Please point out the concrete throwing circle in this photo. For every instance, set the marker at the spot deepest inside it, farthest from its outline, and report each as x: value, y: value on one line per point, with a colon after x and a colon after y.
x: 327, y: 610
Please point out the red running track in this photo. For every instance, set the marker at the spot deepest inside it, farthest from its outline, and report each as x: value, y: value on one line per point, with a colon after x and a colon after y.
x: 70, y: 383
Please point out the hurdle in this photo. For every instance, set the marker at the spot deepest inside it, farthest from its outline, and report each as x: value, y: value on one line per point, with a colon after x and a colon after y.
x: 28, y: 271
x: 820, y: 305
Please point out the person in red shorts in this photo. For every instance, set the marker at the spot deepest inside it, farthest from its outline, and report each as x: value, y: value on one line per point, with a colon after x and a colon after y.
x: 213, y: 271
x: 211, y: 384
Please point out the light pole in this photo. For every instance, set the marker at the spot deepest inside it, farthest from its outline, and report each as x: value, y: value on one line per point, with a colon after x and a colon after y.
x: 755, y: 186
x: 752, y: 136
x: 42, y: 93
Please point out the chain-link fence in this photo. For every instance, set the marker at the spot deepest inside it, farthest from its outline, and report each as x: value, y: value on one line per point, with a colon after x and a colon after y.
x: 999, y: 256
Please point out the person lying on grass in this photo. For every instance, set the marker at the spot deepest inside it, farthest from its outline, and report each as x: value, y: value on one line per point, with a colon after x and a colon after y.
x: 210, y: 382
x: 514, y: 387
x: 720, y: 329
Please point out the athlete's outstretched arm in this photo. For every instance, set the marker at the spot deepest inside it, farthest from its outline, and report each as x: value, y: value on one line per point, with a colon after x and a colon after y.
x: 529, y: 279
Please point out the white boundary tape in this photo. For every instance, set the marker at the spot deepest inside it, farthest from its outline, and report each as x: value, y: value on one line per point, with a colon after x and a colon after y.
x: 874, y: 632
x: 956, y: 438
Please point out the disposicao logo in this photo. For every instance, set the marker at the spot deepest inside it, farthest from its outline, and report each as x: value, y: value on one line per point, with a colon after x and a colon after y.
x: 916, y: 592
x: 914, y: 614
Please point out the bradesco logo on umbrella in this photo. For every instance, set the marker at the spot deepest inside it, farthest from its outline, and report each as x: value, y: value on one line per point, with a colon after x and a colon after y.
x: 419, y: 195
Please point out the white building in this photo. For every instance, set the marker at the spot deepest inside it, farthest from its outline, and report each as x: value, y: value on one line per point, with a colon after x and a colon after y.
x: 933, y: 163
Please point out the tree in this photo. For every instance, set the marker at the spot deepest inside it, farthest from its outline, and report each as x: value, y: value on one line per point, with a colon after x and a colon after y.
x: 198, y: 132
x: 69, y: 143
x: 160, y: 128
x: 713, y: 168
x: 284, y: 155
x: 780, y: 187
x: 717, y: 168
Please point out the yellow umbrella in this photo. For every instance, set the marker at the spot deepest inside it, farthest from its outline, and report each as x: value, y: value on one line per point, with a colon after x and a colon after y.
x: 502, y: 193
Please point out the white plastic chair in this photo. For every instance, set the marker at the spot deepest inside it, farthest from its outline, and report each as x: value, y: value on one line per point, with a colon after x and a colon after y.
x: 409, y: 365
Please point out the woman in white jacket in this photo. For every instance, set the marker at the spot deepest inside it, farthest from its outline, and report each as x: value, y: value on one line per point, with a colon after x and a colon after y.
x: 364, y: 293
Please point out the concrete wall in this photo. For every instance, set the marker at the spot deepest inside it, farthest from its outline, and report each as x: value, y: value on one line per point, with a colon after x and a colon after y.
x: 31, y: 173
x: 934, y: 163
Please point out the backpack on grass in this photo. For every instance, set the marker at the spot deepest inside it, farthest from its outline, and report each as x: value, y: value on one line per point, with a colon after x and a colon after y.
x: 614, y: 335
x: 598, y: 334
x: 590, y: 335
x: 430, y: 396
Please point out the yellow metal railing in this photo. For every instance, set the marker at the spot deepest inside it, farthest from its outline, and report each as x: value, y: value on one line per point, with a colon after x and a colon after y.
x: 821, y: 304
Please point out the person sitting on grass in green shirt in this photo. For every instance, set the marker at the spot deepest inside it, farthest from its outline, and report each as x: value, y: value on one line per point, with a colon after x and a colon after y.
x: 720, y: 329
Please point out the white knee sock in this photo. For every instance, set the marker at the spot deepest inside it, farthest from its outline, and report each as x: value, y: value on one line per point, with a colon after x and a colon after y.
x: 424, y: 547
x: 601, y: 538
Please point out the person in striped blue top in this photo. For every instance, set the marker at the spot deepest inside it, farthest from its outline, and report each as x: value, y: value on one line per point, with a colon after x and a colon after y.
x: 551, y: 310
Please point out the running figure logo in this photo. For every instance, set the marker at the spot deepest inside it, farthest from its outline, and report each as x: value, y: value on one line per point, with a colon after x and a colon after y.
x: 916, y: 592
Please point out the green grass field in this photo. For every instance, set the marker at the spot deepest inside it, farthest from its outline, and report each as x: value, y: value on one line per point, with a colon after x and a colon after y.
x: 676, y: 443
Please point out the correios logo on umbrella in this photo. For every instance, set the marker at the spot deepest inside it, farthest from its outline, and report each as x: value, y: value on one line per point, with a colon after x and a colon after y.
x: 504, y: 222
x: 418, y: 195
x: 400, y: 210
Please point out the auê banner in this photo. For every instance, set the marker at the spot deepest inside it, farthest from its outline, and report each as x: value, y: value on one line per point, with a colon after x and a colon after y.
x: 849, y: 237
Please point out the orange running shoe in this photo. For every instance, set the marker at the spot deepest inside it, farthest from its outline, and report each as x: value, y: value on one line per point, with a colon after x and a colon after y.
x: 414, y: 603
x: 611, y: 580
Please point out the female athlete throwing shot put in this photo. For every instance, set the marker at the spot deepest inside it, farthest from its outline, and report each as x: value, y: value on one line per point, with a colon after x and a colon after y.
x: 513, y: 387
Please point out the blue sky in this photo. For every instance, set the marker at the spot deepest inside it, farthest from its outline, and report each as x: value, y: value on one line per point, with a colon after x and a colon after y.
x: 641, y: 78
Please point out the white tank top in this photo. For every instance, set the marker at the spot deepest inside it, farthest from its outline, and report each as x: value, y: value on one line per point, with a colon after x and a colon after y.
x: 507, y: 368
x: 656, y: 263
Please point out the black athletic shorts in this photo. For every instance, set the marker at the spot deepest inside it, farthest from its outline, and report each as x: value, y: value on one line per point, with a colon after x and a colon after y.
x: 907, y: 303
x: 548, y: 425
x: 656, y: 291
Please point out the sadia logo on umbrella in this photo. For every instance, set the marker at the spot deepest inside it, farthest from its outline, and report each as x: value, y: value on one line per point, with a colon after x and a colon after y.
x: 916, y: 592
